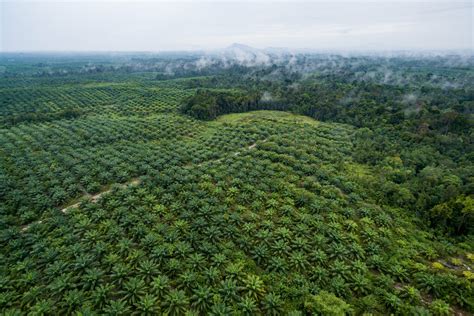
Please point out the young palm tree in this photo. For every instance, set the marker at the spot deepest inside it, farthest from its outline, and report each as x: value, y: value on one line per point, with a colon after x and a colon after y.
x: 399, y: 272
x: 391, y: 301
x: 428, y: 283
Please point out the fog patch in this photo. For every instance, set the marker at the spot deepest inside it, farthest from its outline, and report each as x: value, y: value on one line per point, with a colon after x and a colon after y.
x: 266, y: 97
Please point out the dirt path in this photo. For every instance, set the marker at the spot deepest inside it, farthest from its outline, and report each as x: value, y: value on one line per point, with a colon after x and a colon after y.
x: 92, y: 197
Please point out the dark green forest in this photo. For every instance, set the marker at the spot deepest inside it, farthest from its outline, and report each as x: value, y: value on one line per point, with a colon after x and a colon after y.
x: 183, y: 184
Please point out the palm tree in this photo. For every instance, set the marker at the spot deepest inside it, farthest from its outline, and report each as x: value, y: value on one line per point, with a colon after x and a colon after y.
x: 248, y: 306
x: 92, y: 278
x: 359, y: 266
x: 339, y: 286
x: 117, y: 307
x: 187, y: 280
x: 218, y: 259
x: 61, y: 284
x: 197, y: 261
x: 338, y: 251
x: 183, y: 249
x: 125, y: 245
x: 31, y: 296
x: 220, y: 309
x: 120, y: 272
x: 339, y: 268
x: 360, y: 284
x: 73, y: 299
x: 83, y: 262
x: 173, y: 266
x: 280, y: 247
x: 277, y: 264
x: 298, y: 260
x: 259, y: 253
x: 147, y: 269
x: 234, y: 269
x: 229, y: 290
x: 134, y: 288
x: 202, y: 299
x: 319, y: 275
x: 147, y: 305
x: 160, y: 286
x: 176, y: 302
x: 211, y: 275
x: 101, y: 293
x: 253, y: 286
x: 356, y: 251
x: 273, y: 304
x: 43, y: 307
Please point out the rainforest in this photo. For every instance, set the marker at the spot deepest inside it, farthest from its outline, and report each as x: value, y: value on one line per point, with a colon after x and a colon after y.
x: 192, y: 183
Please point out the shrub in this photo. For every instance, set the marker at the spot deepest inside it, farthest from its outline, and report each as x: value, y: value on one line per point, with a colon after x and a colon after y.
x: 326, y: 303
x: 440, y: 308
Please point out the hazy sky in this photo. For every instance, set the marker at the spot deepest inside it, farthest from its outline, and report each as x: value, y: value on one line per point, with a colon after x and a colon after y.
x: 158, y: 25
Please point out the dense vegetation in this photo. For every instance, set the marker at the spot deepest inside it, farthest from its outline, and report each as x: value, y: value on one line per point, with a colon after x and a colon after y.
x: 430, y: 134
x: 124, y: 189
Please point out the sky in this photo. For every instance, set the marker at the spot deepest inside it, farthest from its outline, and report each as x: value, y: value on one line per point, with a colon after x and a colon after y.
x: 110, y: 25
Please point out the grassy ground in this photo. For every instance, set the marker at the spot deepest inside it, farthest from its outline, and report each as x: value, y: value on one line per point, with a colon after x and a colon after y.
x: 267, y: 115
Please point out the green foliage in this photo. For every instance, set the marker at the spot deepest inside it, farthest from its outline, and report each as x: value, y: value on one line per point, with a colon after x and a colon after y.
x: 440, y: 308
x: 131, y: 207
x: 208, y: 104
x: 325, y: 303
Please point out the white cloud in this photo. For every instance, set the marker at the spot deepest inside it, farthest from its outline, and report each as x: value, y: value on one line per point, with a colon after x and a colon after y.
x: 163, y: 25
